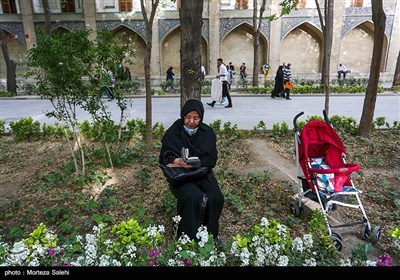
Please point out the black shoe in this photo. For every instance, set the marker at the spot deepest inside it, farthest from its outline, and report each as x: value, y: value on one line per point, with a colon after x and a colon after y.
x: 288, y: 98
x: 210, y: 104
x: 272, y: 96
x: 229, y: 106
x: 218, y: 242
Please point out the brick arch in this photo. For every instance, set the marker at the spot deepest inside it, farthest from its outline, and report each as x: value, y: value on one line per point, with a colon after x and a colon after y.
x: 289, y: 24
x: 237, y: 47
x: 137, y: 44
x: 170, y: 51
x: 229, y: 24
x: 308, y: 56
x: 13, y: 35
x: 60, y: 29
x: 16, y: 50
x: 356, y: 48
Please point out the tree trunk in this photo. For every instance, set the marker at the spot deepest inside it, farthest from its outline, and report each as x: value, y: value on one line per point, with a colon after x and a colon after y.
x: 47, y: 17
x: 256, y: 43
x: 147, y: 60
x: 328, y: 35
x: 11, y: 65
x: 326, y: 22
x: 379, y: 19
x: 190, y: 14
x: 396, y: 78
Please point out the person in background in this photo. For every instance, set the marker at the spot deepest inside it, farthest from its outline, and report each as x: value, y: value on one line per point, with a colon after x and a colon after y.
x: 127, y: 74
x: 243, y: 72
x: 189, y: 131
x: 287, y: 75
x: 170, y: 77
x: 342, y: 70
x: 278, y: 86
x: 107, y: 87
x: 223, y: 76
x: 203, y: 72
x: 170, y: 74
x: 231, y: 72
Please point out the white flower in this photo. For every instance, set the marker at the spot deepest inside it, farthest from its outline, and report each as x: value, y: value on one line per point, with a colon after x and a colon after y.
x: 283, y: 261
x: 151, y: 231
x: 171, y: 262
x: 282, y: 230
x: 310, y: 262
x: 297, y: 245
x: 308, y: 241
x: 176, y: 219
x: 202, y: 234
x: 370, y: 263
x: 104, y: 260
x: 161, y: 228
x: 264, y: 222
x: 184, y: 239
x: 345, y: 262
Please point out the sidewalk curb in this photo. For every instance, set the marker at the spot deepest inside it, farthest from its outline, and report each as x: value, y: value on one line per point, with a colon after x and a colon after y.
x: 235, y: 94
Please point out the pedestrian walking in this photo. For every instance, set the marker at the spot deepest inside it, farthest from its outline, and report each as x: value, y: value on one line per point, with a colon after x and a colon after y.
x: 223, y: 76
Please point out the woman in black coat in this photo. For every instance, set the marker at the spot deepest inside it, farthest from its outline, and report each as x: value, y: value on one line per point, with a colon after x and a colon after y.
x: 190, y: 132
x: 170, y: 74
x: 278, y: 87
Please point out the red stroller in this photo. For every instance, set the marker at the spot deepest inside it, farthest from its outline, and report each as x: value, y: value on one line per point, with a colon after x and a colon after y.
x: 327, y: 176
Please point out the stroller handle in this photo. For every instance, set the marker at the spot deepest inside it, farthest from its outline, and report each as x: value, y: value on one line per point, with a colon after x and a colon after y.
x: 295, y: 121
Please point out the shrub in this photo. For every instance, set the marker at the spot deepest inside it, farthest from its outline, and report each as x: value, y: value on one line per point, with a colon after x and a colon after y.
x: 25, y: 129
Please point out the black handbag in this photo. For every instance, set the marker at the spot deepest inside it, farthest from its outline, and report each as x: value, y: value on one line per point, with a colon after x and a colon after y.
x: 179, y: 175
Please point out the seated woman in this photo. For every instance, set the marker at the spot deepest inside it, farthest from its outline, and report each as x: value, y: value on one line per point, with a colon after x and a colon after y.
x: 190, y: 132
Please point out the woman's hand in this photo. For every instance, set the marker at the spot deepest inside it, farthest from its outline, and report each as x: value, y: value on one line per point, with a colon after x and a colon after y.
x: 178, y: 162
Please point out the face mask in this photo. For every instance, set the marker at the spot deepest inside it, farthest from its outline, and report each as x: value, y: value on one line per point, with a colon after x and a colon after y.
x: 190, y: 131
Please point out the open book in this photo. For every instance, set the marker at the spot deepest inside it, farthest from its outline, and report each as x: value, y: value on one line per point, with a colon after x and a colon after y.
x: 194, y: 161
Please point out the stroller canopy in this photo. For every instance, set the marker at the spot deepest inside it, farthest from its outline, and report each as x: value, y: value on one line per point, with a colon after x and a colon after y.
x: 319, y: 139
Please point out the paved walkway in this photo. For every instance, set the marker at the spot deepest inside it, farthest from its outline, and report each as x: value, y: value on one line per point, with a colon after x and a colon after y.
x: 247, y: 111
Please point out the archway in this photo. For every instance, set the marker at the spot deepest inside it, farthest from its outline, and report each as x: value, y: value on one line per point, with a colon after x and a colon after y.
x: 357, y: 46
x: 237, y: 47
x: 60, y: 30
x: 170, y: 52
x: 307, y: 56
x: 17, y: 51
x: 138, y: 46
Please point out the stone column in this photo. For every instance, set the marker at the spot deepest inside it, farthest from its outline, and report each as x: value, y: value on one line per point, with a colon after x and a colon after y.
x: 214, y: 37
x: 338, y: 15
x: 27, y: 21
x: 89, y: 13
x: 394, y: 41
x: 275, y: 37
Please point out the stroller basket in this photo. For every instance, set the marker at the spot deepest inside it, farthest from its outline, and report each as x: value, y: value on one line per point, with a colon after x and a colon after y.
x: 324, y: 176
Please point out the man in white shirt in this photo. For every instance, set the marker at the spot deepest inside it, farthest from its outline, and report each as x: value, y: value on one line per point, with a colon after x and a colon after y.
x: 223, y: 77
x: 342, y: 70
x: 203, y: 72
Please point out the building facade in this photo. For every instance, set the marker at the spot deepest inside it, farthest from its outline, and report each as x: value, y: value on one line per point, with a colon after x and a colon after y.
x: 296, y: 38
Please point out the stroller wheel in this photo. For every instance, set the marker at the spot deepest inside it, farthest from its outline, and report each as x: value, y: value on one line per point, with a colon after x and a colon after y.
x: 364, y: 231
x: 336, y: 234
x: 294, y: 208
x: 335, y: 207
x: 376, y: 234
x: 337, y: 242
